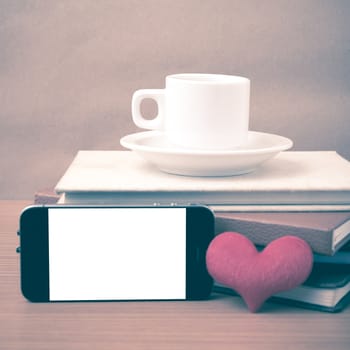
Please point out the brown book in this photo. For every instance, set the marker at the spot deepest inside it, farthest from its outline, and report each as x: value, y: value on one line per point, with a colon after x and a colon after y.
x: 46, y: 196
x: 326, y: 232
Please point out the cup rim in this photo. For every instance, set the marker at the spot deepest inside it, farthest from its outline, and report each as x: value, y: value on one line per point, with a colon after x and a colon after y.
x: 208, y: 78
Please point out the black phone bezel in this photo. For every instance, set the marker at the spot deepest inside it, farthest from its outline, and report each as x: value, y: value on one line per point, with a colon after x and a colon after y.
x: 199, y: 233
x: 34, y: 260
x: 34, y: 245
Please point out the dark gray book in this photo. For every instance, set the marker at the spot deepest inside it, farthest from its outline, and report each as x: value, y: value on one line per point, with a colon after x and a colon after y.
x: 326, y: 289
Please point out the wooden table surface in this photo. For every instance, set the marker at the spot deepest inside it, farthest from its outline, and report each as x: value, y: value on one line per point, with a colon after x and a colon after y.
x: 223, y: 322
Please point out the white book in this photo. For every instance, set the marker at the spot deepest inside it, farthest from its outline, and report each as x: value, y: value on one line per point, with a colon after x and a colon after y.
x: 291, y: 179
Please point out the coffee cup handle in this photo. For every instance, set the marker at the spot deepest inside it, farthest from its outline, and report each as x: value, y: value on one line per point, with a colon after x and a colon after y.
x: 137, y: 98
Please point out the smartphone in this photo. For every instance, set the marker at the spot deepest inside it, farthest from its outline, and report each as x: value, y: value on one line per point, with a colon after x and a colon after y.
x: 104, y: 253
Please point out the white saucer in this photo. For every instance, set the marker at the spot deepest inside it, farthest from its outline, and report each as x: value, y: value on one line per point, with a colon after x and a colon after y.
x: 154, y: 147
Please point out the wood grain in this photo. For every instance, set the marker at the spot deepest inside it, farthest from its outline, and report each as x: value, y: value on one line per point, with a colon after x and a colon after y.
x: 220, y: 323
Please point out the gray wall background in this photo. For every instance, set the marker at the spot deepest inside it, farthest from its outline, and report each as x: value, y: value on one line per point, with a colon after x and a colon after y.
x: 68, y: 70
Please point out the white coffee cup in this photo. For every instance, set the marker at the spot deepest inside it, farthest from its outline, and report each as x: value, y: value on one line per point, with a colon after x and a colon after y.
x: 199, y: 111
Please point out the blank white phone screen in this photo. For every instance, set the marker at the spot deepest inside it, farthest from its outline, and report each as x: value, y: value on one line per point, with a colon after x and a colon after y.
x: 117, y: 253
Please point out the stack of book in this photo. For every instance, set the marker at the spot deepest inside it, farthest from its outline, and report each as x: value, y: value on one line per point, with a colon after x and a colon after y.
x: 306, y: 194
x: 327, y: 232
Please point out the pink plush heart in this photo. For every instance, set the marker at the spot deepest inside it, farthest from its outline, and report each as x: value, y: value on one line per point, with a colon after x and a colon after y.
x: 233, y: 260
